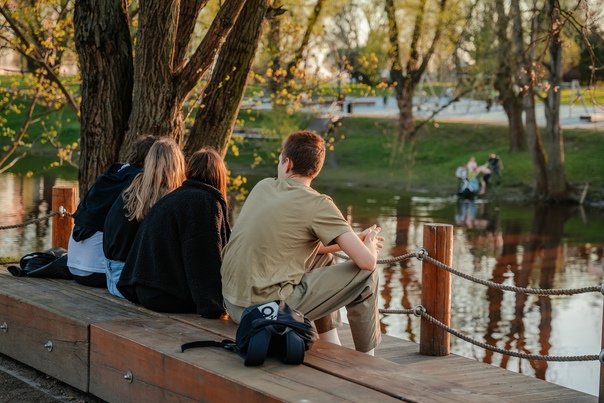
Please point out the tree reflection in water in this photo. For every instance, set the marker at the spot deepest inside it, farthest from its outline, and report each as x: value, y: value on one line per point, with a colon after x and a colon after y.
x: 524, y: 246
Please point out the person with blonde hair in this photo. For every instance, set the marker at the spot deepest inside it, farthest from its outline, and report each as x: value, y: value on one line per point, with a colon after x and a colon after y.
x: 85, y: 258
x: 174, y: 264
x: 164, y: 171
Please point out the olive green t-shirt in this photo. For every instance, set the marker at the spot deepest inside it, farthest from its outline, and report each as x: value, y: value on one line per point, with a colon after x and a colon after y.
x: 275, y: 239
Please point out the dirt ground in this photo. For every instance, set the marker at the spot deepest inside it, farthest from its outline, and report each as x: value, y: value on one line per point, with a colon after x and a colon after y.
x: 22, y: 384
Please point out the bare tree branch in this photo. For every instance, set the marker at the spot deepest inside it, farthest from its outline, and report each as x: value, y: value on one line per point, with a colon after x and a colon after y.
x: 39, y: 59
x: 206, y: 52
x: 22, y: 130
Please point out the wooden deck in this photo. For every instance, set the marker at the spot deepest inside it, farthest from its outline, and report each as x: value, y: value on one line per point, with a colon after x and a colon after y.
x: 122, y: 353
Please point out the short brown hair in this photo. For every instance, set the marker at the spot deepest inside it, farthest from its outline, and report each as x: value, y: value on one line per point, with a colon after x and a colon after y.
x: 307, y: 152
x: 207, y: 166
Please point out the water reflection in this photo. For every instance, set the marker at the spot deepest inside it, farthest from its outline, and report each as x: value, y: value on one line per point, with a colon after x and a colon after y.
x: 23, y: 199
x: 518, y: 245
x: 524, y: 246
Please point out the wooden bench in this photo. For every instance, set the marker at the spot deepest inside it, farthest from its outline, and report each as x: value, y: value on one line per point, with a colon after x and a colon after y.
x: 46, y: 325
x: 353, y: 104
x: 594, y: 117
x: 147, y: 352
x: 121, y: 352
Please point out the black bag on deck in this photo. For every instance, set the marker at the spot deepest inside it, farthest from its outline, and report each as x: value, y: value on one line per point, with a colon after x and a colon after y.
x: 51, y: 263
x: 272, y: 329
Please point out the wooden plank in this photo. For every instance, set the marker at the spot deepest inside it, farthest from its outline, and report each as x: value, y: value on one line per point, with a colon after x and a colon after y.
x: 372, y: 372
x: 471, y: 373
x: 29, y: 328
x: 37, y: 311
x: 150, y: 349
x: 69, y: 299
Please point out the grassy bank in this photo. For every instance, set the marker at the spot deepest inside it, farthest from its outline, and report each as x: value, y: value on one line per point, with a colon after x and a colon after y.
x: 363, y: 155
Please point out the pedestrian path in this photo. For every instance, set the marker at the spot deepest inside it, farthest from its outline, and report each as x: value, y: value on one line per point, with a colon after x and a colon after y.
x: 466, y: 110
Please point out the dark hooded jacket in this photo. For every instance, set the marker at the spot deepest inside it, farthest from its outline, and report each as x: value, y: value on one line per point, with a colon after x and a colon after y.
x: 92, y: 210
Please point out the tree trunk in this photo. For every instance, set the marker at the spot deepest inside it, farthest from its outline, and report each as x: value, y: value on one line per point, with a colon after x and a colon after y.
x: 273, y: 49
x: 416, y: 64
x: 161, y: 83
x: 404, y: 98
x: 103, y: 44
x: 558, y: 187
x: 215, y: 120
x: 505, y: 81
x: 512, y: 105
x: 534, y: 144
x: 157, y: 109
x: 524, y: 57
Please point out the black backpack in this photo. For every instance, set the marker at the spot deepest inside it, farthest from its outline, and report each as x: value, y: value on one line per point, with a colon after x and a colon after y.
x: 271, y: 329
x: 51, y: 263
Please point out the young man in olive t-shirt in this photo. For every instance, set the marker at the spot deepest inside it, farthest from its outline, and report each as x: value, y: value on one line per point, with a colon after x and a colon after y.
x: 280, y: 250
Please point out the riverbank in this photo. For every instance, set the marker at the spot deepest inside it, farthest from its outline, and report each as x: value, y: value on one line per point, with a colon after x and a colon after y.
x: 363, y: 155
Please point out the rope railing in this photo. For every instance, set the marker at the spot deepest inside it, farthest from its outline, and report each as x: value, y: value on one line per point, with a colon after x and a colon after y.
x: 419, y: 310
x: 422, y: 254
x: 61, y: 212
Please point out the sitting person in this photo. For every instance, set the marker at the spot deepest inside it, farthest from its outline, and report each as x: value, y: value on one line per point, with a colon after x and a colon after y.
x: 163, y: 172
x: 174, y: 263
x: 472, y: 164
x: 281, y: 244
x: 85, y: 258
x: 461, y: 173
x: 483, y: 173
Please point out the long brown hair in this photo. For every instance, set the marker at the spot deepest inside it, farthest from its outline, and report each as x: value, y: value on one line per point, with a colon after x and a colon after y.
x: 207, y: 166
x: 164, y: 171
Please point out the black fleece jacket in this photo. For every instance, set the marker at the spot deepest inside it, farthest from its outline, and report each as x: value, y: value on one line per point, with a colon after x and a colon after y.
x: 178, y: 248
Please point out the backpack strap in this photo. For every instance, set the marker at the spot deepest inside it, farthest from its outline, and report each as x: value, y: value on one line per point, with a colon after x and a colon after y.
x: 227, y: 344
x: 294, y: 349
x: 258, y: 347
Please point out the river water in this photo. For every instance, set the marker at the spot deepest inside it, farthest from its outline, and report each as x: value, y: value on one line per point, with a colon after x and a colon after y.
x: 517, y: 245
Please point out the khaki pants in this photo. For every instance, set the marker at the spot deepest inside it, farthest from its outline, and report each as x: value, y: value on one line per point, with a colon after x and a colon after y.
x: 327, y: 288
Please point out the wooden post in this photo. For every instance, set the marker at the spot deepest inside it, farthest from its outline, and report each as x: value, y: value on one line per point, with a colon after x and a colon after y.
x: 62, y: 196
x: 436, y: 290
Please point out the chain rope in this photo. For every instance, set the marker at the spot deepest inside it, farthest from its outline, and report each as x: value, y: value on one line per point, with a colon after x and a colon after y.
x: 536, y: 357
x: 422, y: 254
x: 381, y: 261
x: 36, y: 220
x: 535, y: 291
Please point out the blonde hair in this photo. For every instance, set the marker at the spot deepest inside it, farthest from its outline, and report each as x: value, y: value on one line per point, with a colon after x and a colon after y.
x: 163, y: 171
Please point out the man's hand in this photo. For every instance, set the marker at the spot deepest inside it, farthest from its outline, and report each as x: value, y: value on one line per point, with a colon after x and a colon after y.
x: 370, y: 237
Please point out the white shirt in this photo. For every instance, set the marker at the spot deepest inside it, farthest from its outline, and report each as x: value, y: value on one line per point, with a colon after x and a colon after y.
x: 86, y: 257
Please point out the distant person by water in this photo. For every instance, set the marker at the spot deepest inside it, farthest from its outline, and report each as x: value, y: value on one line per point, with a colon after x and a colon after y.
x: 462, y: 172
x: 496, y: 166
